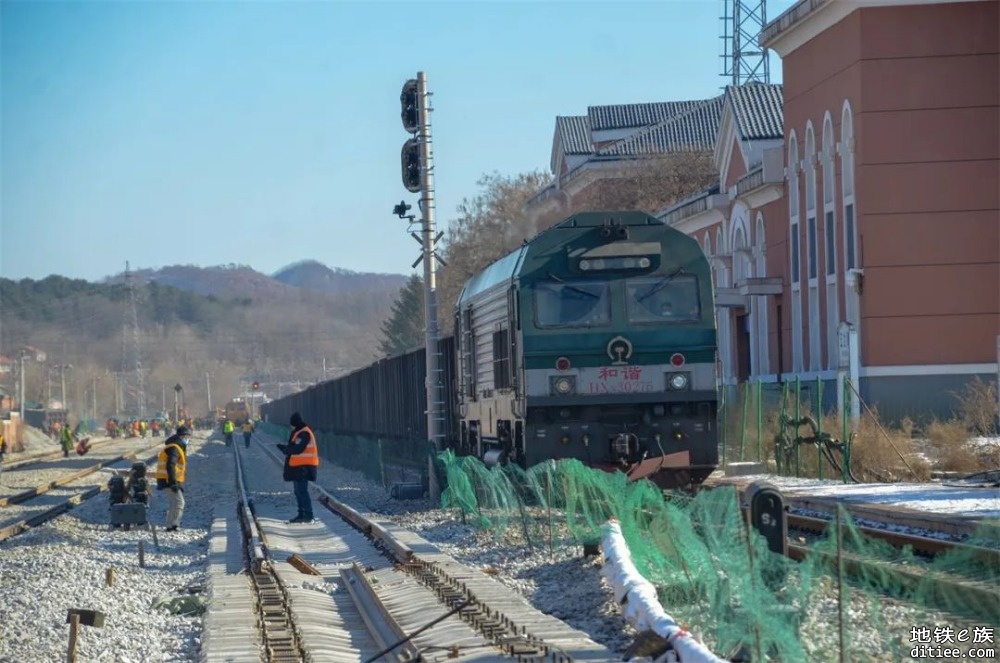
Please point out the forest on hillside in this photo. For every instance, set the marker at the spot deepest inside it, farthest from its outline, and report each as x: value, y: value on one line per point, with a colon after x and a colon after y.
x: 182, y: 336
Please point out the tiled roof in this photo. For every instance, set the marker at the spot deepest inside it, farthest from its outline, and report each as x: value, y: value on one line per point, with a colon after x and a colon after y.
x: 758, y: 110
x: 574, y: 134
x: 630, y: 116
x: 696, y: 129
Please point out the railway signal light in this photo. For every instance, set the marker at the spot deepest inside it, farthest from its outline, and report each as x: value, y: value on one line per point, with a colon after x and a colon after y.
x: 256, y: 386
x: 410, y: 106
x: 411, y: 165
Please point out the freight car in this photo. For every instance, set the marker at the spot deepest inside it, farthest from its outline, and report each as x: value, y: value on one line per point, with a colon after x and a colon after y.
x: 595, y: 340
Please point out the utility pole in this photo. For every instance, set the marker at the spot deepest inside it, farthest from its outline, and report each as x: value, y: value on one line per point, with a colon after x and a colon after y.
x: 177, y: 394
x: 62, y: 385
x: 418, y: 176
x: 21, y: 394
x: 208, y: 391
x: 324, y: 369
x: 93, y: 395
x: 140, y: 395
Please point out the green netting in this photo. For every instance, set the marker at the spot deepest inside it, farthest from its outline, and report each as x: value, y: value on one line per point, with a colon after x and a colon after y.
x: 711, y: 573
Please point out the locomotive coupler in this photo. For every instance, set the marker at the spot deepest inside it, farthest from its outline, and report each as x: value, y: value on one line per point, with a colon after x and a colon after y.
x: 624, y: 444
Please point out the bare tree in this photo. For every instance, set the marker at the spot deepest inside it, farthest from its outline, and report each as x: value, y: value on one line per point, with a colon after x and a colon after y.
x: 648, y: 183
x: 488, y: 226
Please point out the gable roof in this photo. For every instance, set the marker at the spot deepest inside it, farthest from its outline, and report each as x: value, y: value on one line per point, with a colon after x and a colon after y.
x: 573, y: 136
x: 695, y: 129
x: 573, y: 132
x: 630, y: 116
x: 758, y: 109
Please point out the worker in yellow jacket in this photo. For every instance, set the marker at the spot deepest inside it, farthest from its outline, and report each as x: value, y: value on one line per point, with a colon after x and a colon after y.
x: 171, y: 473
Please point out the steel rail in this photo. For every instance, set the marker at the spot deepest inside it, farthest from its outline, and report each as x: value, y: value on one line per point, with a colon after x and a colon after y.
x: 385, y: 630
x: 923, y: 545
x: 49, y: 455
x: 516, y: 641
x: 275, y: 621
x: 986, y: 599
x: 21, y: 526
x: 30, y: 493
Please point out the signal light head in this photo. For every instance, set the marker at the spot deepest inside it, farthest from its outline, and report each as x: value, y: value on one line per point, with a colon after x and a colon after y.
x: 408, y: 101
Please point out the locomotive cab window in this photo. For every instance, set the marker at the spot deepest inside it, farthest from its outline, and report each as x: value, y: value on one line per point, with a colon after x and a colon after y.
x: 663, y: 299
x: 572, y: 304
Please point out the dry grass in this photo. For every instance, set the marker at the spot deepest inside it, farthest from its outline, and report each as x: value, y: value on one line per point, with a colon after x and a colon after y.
x: 878, y: 453
x: 977, y: 406
x: 950, y: 441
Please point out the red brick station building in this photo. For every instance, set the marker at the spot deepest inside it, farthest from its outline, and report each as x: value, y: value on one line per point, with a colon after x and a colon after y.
x: 855, y: 225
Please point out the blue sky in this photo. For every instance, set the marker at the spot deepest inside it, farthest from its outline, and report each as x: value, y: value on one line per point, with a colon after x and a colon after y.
x: 263, y: 133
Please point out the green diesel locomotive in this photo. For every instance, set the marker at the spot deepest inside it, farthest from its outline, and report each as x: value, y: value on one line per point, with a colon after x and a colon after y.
x: 595, y: 340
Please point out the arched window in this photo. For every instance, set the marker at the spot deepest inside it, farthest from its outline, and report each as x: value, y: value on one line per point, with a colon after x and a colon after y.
x: 852, y: 261
x: 847, y: 180
x: 707, y: 244
x: 794, y: 256
x: 812, y: 254
x: 761, y: 305
x: 723, y: 315
x: 830, y: 242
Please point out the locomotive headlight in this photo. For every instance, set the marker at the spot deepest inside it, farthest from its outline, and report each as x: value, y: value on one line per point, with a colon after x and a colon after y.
x: 562, y: 385
x: 678, y: 381
x: 584, y: 265
x: 643, y: 263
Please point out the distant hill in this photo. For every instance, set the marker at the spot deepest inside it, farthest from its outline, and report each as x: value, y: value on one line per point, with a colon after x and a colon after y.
x: 314, y: 275
x: 224, y: 281
x: 241, y: 281
x: 229, y: 321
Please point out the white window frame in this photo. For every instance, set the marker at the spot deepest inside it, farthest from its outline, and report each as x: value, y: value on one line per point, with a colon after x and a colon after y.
x: 847, y: 179
x: 795, y: 254
x: 761, y: 304
x: 830, y: 243
x: 813, y: 267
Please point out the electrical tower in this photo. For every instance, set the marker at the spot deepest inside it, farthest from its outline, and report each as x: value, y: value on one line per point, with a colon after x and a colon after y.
x: 140, y: 393
x: 744, y: 60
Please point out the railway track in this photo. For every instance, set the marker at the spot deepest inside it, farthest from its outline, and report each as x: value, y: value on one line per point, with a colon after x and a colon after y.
x: 48, y: 455
x: 11, y: 526
x: 935, y: 587
x: 404, y: 600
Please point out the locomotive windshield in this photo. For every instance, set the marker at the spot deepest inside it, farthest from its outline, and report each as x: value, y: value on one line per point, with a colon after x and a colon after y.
x: 672, y: 298
x: 572, y: 304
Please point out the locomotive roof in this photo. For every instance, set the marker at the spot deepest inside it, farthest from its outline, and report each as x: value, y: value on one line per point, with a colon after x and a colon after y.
x: 501, y: 271
x: 504, y: 269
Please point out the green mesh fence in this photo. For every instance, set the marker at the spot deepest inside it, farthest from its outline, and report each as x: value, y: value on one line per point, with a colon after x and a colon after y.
x: 714, y: 575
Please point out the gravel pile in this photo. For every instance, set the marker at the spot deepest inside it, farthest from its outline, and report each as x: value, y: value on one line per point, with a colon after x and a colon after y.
x: 61, y: 565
